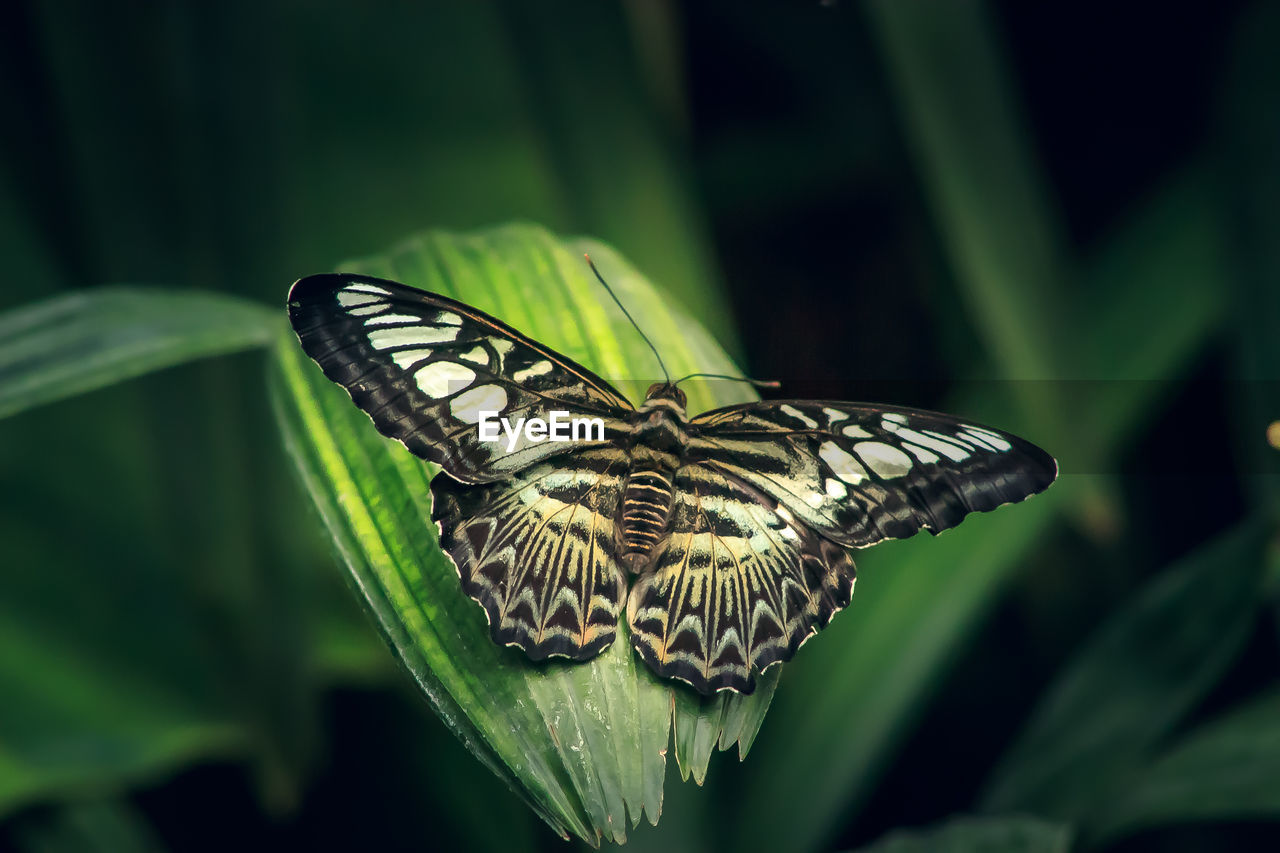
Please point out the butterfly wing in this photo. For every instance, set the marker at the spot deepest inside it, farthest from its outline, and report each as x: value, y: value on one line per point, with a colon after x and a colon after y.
x: 528, y: 525
x: 537, y: 551
x: 424, y: 367
x: 739, y: 584
x: 772, y: 498
x: 859, y: 474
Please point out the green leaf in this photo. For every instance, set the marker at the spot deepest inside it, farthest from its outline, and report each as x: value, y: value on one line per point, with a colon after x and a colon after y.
x: 82, y: 341
x: 584, y: 744
x: 75, y: 343
x: 1228, y: 769
x: 704, y: 722
x: 980, y: 835
x: 1134, y: 680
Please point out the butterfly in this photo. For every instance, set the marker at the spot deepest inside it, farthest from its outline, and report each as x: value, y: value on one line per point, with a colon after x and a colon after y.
x: 726, y: 538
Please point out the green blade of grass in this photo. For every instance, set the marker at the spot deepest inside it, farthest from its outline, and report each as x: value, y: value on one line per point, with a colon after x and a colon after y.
x: 1228, y: 769
x: 79, y: 342
x: 583, y: 743
x: 75, y: 343
x: 1252, y: 164
x: 1133, y: 682
x: 979, y: 176
x: 980, y: 835
x: 105, y: 633
x: 1172, y: 252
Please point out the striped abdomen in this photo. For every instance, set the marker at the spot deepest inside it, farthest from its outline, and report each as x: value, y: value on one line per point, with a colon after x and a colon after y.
x: 646, y: 507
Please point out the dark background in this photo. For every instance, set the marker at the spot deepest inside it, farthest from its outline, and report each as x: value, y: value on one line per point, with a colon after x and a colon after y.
x: 756, y: 159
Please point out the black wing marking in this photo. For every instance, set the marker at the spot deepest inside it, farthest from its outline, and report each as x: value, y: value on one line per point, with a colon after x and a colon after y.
x: 738, y: 585
x: 424, y: 366
x: 859, y: 474
x: 537, y: 552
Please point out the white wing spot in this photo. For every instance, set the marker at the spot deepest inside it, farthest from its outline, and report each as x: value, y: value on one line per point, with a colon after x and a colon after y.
x: 841, y: 463
x: 413, y: 336
x: 409, y: 357
x: 366, y: 310
x: 347, y: 299
x: 443, y: 377
x: 534, y: 370
x: 798, y: 415
x: 361, y: 287
x: 468, y: 405
x: 895, y: 417
x: 855, y: 431
x: 836, y: 489
x: 392, y: 318
x: 933, y: 441
x: 988, y: 437
x: 973, y: 438
x: 834, y: 415
x: 476, y: 355
x: 816, y: 499
x: 928, y: 457
x: 448, y: 318
x: 885, y: 459
x: 941, y: 440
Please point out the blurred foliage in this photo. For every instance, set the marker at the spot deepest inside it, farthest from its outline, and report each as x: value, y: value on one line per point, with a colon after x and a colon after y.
x: 996, y: 835
x: 890, y: 192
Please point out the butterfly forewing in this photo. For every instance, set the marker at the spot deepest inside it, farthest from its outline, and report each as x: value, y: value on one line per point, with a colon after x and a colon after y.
x: 425, y: 368
x: 860, y: 474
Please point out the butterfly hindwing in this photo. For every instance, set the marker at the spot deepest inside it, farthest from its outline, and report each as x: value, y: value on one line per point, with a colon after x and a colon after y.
x: 860, y: 474
x: 537, y: 552
x: 424, y: 367
x: 738, y: 584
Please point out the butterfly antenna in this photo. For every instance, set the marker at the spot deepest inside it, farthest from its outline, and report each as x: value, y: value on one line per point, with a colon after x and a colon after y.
x: 600, y: 278
x: 759, y: 383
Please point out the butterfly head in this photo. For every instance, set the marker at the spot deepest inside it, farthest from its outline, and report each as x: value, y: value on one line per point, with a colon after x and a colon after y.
x: 666, y: 391
x: 662, y: 421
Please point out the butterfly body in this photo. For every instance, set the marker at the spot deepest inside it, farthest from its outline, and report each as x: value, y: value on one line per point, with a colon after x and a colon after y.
x: 655, y: 451
x: 726, y: 537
